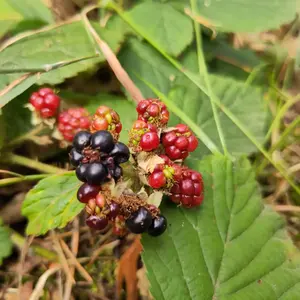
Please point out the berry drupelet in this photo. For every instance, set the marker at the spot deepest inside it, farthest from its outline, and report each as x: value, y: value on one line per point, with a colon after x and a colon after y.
x: 179, y: 142
x: 45, y: 102
x: 72, y: 121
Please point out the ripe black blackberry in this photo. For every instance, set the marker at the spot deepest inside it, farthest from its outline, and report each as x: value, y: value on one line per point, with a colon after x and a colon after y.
x: 158, y: 226
x: 97, y: 157
x: 139, y: 221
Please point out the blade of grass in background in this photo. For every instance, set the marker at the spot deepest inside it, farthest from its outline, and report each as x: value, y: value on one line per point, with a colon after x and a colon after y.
x: 203, y: 68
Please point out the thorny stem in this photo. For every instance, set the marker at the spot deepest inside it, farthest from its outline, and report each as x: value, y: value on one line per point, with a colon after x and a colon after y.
x: 31, y: 163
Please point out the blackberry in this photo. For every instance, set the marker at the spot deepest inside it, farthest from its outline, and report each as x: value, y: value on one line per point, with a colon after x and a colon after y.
x: 81, y: 172
x: 75, y: 157
x: 87, y: 192
x: 120, y: 153
x: 103, y: 141
x: 179, y: 142
x: 81, y: 140
x: 189, y: 190
x: 96, y: 222
x: 139, y: 221
x: 158, y: 226
x: 106, y: 118
x: 95, y: 173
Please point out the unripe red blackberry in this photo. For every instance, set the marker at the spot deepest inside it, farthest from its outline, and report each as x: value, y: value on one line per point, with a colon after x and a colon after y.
x: 164, y: 175
x: 179, y: 142
x: 45, y: 102
x: 189, y: 190
x: 143, y: 137
x: 73, y: 121
x: 157, y: 180
x: 106, y: 118
x: 153, y: 111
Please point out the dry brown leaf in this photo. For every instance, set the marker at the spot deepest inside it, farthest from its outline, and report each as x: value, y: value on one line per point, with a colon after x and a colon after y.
x: 127, y: 270
x: 147, y: 162
x: 155, y: 198
x: 143, y: 284
x: 203, y: 21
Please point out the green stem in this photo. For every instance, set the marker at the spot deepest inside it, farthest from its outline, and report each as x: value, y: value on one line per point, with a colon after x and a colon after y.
x: 19, y: 241
x: 280, y: 115
x: 31, y: 163
x: 279, y: 143
x: 202, y: 66
x: 9, y: 181
x: 24, y: 137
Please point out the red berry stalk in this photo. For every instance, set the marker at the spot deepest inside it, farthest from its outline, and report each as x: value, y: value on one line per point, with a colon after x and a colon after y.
x: 72, y: 121
x: 106, y: 118
x: 179, y: 142
x: 45, y: 102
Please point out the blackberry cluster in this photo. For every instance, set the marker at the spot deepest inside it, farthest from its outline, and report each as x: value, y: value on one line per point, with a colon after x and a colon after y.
x: 97, y: 157
x: 102, y: 210
x: 149, y: 134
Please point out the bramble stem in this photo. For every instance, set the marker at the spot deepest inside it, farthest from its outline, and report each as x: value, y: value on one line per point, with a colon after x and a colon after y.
x: 31, y: 163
